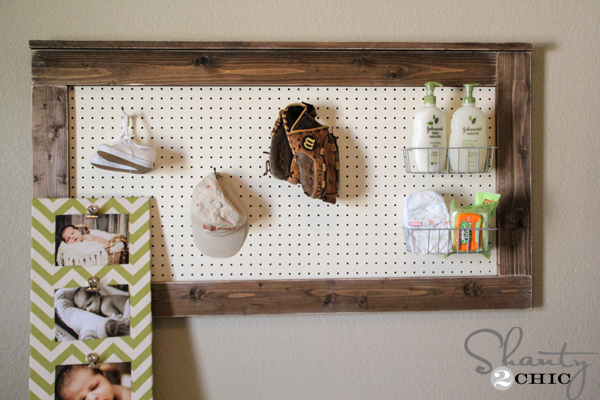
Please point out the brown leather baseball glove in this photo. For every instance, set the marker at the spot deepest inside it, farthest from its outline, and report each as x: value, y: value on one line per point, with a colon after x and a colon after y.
x: 304, y: 151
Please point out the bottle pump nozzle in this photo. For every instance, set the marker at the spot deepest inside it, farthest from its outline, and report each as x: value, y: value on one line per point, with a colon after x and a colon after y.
x: 430, y: 86
x: 469, y: 99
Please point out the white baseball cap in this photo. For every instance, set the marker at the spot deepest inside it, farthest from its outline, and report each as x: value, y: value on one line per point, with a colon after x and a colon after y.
x: 219, y: 219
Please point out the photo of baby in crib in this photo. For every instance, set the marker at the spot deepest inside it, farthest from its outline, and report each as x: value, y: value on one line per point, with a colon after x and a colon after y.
x: 108, y: 381
x: 81, y: 314
x: 82, y: 241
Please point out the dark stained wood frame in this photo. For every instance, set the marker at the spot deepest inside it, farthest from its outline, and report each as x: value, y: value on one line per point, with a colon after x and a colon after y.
x: 507, y: 66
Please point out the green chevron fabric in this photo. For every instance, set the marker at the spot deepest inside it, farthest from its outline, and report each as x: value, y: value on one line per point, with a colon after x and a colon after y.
x: 46, y: 277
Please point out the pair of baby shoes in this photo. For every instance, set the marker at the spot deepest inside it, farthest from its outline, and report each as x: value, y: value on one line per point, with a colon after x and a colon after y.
x: 123, y: 155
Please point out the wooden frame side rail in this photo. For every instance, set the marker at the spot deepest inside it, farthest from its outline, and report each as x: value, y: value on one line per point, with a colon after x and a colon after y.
x: 507, y: 66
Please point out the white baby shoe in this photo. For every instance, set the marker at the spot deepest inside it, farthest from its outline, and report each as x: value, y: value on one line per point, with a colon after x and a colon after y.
x: 124, y: 155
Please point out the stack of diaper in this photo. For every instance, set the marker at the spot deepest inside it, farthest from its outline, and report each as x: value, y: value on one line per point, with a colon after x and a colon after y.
x: 426, y: 223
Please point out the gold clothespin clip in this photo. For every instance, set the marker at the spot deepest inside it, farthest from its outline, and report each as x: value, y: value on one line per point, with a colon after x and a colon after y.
x: 92, y: 359
x: 93, y: 282
x: 92, y: 211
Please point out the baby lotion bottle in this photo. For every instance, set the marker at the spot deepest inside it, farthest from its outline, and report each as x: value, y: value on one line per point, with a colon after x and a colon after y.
x: 468, y: 136
x: 429, y: 131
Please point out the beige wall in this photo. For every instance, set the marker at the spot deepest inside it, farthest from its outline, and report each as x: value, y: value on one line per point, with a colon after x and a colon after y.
x: 355, y: 356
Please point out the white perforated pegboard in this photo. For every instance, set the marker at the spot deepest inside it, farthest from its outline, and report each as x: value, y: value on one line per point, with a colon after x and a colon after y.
x: 290, y: 235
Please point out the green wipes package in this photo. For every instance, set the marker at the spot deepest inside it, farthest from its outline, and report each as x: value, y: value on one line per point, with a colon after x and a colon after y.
x: 471, y: 224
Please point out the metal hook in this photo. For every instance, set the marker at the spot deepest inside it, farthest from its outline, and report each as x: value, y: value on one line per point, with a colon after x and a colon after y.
x: 126, y: 118
x: 216, y: 173
x: 93, y: 282
x: 92, y: 359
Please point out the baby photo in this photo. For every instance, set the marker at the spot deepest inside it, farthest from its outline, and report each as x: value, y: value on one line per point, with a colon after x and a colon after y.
x: 81, y: 314
x: 88, y: 242
x: 108, y: 381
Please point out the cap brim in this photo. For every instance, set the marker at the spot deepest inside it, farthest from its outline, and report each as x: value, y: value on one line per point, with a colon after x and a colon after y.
x: 219, y: 246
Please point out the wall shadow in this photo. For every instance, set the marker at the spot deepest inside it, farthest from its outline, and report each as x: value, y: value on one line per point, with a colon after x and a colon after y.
x: 177, y: 374
x: 166, y: 156
x: 353, y: 167
x: 538, y: 81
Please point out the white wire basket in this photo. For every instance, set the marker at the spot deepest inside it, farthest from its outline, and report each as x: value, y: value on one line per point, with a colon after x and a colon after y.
x: 445, y: 160
x: 449, y: 240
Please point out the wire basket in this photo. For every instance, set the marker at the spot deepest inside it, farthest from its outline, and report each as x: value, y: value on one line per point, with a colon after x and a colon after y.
x: 449, y: 240
x: 444, y: 160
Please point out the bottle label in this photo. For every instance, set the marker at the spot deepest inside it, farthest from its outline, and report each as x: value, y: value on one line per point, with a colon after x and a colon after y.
x: 467, y: 130
x: 434, y: 133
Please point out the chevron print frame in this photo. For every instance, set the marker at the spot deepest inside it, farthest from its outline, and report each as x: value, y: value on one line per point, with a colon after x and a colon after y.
x: 45, y: 352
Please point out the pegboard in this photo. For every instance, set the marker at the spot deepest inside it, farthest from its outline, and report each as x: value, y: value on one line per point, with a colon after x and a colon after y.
x: 290, y: 235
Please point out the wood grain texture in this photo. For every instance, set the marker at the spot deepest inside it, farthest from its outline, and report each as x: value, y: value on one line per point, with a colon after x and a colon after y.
x: 172, y: 299
x: 143, y: 45
x: 56, y: 64
x: 50, y: 141
x: 275, y: 67
x: 513, y: 181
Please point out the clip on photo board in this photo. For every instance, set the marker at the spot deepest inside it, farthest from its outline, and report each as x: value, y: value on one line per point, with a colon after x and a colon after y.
x: 207, y: 106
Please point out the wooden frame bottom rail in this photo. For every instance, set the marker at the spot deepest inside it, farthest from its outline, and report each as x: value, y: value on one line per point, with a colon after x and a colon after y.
x: 174, y: 299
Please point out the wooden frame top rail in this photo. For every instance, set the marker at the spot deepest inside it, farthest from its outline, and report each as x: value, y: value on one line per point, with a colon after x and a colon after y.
x: 507, y: 66
x: 312, y: 46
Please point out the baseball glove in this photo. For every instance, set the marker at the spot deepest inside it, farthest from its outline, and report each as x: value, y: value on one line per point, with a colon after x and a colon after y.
x: 304, y: 151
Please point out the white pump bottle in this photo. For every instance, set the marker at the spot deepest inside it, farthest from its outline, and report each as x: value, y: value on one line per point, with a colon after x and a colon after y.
x: 429, y: 131
x: 468, y: 136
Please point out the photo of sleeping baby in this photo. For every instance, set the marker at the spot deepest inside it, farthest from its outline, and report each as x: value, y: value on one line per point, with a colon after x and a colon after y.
x: 107, y: 381
x: 82, y: 314
x: 92, y: 241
